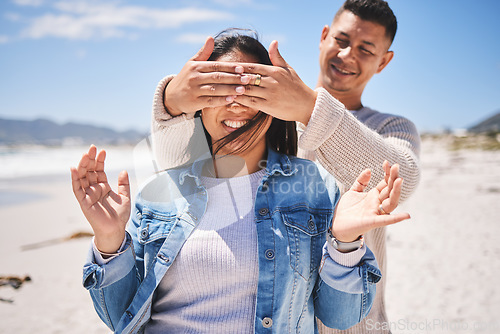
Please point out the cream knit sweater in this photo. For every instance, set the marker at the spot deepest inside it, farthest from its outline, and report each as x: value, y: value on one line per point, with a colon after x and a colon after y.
x: 344, y: 142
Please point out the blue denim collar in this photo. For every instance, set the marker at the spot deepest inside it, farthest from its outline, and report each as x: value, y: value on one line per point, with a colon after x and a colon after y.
x: 195, y: 170
x: 279, y: 163
x: 276, y: 163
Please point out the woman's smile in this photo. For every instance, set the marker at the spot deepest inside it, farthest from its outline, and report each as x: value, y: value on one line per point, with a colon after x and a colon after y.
x: 234, y: 124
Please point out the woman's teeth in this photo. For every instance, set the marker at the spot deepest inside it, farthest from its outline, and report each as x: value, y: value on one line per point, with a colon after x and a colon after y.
x: 235, y: 124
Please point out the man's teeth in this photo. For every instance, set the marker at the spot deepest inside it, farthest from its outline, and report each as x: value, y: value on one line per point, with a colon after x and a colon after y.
x: 342, y: 71
x: 235, y: 124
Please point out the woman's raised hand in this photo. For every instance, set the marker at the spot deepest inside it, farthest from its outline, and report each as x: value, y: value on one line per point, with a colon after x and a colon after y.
x: 358, y: 212
x: 106, y: 211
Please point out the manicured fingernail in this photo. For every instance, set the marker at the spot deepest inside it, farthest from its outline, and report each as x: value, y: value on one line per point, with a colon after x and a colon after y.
x: 245, y: 79
x: 230, y: 98
x: 240, y: 89
x: 239, y: 69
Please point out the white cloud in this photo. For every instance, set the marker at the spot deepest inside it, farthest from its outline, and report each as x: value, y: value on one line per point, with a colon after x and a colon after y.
x: 245, y: 4
x: 192, y: 38
x: 233, y: 3
x: 89, y: 19
x: 4, y: 39
x: 282, y: 39
x: 34, y: 3
x: 67, y: 26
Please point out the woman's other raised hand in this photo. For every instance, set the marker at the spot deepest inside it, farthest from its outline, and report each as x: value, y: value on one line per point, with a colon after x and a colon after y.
x: 106, y: 211
x: 359, y: 212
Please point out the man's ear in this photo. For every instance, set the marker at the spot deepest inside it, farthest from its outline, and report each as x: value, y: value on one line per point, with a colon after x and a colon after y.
x: 324, y: 33
x: 386, y: 59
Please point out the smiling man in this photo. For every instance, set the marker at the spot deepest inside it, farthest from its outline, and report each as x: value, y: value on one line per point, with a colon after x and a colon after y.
x: 352, y: 50
x: 334, y: 126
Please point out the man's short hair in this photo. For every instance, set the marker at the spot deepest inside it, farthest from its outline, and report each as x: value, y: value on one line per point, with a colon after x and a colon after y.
x: 377, y: 11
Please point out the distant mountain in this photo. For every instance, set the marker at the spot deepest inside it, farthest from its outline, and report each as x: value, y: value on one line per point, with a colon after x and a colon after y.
x: 491, y: 124
x: 46, y: 132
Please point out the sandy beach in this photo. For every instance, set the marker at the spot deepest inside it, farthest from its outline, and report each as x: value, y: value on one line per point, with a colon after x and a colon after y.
x: 441, y: 264
x: 54, y: 300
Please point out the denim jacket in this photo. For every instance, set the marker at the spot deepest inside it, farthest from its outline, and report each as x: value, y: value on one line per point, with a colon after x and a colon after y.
x: 297, y: 279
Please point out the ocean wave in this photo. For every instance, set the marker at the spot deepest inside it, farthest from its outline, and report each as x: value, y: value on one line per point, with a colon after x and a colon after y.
x: 30, y: 161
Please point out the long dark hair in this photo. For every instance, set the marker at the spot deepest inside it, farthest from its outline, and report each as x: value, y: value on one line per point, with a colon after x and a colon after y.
x: 281, y: 135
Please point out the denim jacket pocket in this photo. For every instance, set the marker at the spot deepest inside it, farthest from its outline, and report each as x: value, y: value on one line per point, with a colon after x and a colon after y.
x: 306, y: 229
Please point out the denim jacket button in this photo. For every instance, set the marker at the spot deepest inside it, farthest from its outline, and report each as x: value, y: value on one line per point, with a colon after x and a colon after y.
x: 144, y: 233
x: 129, y: 314
x: 269, y: 254
x: 267, y: 322
x: 263, y: 211
x: 164, y: 258
x: 311, y: 224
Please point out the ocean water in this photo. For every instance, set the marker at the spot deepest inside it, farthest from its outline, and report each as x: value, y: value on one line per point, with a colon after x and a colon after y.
x: 33, y: 163
x: 29, y: 161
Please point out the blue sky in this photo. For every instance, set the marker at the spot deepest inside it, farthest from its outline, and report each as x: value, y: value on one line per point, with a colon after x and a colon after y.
x: 98, y: 62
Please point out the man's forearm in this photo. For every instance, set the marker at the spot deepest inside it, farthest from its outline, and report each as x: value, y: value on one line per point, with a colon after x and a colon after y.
x: 345, y: 146
x: 171, y: 136
x: 160, y: 111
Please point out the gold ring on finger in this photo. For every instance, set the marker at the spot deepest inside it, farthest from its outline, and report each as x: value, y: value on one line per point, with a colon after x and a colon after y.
x: 258, y: 78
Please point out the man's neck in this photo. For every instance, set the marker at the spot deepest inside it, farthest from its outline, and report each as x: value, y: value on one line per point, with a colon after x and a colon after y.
x: 351, y: 100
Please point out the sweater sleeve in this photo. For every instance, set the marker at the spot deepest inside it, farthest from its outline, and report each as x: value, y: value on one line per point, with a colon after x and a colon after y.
x: 176, y: 140
x: 346, y: 146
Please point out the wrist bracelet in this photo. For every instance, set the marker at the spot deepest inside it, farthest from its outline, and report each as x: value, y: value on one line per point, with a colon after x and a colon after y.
x: 345, y: 246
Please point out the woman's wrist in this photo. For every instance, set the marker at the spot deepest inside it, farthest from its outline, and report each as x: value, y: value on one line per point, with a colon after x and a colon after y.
x: 345, y: 246
x: 109, y: 245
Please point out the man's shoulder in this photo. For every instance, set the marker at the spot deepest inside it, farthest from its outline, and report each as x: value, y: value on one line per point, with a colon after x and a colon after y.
x: 375, y: 119
x: 367, y: 112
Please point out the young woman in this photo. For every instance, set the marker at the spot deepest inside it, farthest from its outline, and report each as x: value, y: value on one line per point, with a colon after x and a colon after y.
x: 251, y: 239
